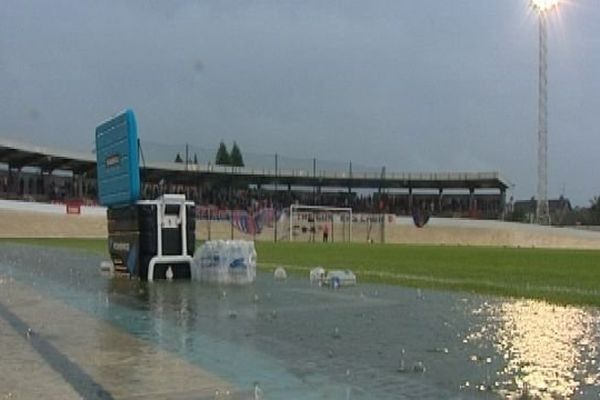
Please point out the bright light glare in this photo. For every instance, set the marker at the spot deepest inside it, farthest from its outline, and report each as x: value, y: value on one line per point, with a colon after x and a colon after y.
x: 544, y: 5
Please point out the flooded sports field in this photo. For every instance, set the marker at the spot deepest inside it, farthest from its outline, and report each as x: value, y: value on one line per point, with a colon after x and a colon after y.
x: 69, y: 331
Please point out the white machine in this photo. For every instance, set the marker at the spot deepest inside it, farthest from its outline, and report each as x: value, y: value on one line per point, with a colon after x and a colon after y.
x: 166, y: 222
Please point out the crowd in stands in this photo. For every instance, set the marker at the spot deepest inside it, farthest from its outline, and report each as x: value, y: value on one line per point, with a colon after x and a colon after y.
x: 47, y: 188
x: 253, y: 199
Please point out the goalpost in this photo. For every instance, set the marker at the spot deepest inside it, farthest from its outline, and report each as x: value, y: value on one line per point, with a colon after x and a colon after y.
x: 310, y: 223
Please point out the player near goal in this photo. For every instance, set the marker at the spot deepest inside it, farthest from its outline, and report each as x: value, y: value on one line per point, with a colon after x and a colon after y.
x: 307, y: 222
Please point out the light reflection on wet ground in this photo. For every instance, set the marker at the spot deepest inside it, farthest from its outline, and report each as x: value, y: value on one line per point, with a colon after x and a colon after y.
x: 301, y: 341
x: 548, y: 351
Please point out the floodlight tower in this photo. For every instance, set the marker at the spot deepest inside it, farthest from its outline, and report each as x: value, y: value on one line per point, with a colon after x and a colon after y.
x: 542, y: 7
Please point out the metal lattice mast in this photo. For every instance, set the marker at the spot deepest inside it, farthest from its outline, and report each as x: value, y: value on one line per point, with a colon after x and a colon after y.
x: 542, y: 210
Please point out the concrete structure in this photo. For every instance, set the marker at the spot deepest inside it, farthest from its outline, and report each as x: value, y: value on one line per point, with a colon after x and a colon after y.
x: 34, y: 167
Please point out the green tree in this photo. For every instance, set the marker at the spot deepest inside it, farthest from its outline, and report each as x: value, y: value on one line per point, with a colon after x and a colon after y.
x: 518, y: 215
x: 178, y: 159
x: 222, y: 155
x: 236, y: 156
x: 595, y: 210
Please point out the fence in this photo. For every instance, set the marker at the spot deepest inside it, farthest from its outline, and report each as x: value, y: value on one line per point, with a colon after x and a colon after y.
x: 268, y: 224
x: 204, y: 158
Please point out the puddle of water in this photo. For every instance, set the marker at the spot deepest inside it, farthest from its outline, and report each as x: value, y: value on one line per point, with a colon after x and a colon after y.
x: 545, y: 350
x: 372, y: 341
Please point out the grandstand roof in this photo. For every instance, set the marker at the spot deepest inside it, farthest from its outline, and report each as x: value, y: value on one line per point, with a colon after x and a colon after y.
x: 18, y: 154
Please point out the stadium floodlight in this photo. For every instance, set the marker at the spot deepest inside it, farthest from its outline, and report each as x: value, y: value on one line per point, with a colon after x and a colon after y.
x: 542, y: 7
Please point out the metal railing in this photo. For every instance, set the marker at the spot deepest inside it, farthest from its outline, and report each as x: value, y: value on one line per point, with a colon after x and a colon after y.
x: 322, y: 174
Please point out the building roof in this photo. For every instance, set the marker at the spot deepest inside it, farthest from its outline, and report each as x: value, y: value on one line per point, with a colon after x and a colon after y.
x: 19, y: 154
x: 530, y: 205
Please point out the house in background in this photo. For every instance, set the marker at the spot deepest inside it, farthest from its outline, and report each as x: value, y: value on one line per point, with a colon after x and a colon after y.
x: 559, y: 209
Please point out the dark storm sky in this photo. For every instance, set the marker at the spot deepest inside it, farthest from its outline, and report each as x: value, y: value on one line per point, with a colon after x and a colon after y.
x: 425, y: 85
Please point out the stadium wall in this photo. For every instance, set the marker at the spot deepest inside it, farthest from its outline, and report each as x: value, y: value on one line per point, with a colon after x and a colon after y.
x: 23, y: 219
x: 49, y: 208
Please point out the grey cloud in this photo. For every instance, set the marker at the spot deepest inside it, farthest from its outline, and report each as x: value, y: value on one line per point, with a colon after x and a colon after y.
x: 413, y: 85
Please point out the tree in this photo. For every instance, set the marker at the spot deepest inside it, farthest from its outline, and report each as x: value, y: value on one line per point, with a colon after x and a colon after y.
x: 178, y: 159
x: 236, y: 156
x: 595, y: 210
x: 518, y: 215
x: 222, y: 155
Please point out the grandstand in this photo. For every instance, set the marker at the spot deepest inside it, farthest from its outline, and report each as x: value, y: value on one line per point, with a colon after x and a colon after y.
x: 44, y: 174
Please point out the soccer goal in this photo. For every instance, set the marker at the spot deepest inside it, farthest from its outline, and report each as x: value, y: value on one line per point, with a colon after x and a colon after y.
x: 320, y: 223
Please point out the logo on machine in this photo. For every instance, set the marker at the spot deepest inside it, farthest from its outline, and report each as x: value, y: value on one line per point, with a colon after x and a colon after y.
x: 112, y: 160
x: 238, y: 263
x: 120, y: 246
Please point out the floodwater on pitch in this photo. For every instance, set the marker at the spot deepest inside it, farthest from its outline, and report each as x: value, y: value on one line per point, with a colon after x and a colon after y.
x: 291, y: 339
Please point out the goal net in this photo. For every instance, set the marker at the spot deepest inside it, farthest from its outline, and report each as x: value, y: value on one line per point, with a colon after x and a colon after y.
x: 320, y: 224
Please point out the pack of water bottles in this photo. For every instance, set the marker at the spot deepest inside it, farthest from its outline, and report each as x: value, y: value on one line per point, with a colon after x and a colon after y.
x: 334, y: 278
x: 226, y: 262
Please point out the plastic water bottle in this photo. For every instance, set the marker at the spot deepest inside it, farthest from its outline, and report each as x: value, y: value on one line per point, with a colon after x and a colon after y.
x: 258, y: 393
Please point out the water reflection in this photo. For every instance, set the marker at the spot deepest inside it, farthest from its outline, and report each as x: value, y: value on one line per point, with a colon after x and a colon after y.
x: 548, y: 351
x: 301, y: 341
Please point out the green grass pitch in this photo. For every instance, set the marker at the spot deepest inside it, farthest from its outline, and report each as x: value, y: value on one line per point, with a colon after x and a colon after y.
x: 558, y: 276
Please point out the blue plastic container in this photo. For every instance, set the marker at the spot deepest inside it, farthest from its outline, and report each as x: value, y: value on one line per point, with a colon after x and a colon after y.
x: 117, y: 161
